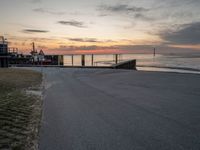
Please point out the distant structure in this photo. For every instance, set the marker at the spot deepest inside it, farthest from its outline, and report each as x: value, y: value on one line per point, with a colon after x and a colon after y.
x: 4, y: 58
x: 11, y: 57
x: 17, y: 58
x: 37, y: 58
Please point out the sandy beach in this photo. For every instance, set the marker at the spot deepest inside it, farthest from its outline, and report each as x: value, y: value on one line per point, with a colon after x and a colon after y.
x: 119, y: 109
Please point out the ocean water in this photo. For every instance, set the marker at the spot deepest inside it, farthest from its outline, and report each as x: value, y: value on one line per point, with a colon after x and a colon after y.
x: 148, y: 62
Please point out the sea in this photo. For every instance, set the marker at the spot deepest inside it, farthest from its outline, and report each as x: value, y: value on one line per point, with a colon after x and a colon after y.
x: 181, y: 63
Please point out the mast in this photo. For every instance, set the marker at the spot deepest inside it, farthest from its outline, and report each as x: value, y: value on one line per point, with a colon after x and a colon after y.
x: 33, y: 47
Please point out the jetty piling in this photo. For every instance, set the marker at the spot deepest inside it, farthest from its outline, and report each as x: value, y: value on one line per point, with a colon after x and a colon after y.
x: 83, y: 60
x: 72, y: 60
x: 116, y: 58
x: 92, y: 60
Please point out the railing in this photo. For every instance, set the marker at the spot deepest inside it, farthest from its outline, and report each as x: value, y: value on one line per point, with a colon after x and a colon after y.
x: 115, y: 63
x: 92, y: 59
x: 112, y: 61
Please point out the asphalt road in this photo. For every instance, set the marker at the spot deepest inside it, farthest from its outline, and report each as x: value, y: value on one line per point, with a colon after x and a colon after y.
x: 88, y: 109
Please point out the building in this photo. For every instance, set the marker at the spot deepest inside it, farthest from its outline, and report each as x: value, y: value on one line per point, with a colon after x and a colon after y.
x: 39, y: 58
x: 16, y: 58
x: 4, y: 57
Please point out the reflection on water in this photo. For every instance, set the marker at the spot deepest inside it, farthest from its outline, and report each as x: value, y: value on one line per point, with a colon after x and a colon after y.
x: 99, y: 60
x: 174, y: 63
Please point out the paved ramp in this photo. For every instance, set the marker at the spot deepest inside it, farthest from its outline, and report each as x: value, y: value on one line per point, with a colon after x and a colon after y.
x: 99, y: 109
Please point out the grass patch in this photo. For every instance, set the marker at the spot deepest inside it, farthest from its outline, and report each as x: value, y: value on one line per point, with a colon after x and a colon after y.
x: 19, y: 112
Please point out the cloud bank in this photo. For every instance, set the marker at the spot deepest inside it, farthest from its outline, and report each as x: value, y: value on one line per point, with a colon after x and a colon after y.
x: 34, y: 31
x: 35, y: 1
x: 73, y: 23
x: 124, y: 9
x: 47, y: 11
x: 89, y: 40
x: 187, y: 34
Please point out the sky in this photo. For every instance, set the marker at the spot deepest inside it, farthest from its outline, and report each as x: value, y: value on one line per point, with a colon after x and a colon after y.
x: 102, y: 26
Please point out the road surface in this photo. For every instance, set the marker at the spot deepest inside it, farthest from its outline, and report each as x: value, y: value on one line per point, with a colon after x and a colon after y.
x: 102, y: 109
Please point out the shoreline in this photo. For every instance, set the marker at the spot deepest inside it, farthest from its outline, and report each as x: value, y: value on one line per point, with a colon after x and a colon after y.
x: 183, y: 70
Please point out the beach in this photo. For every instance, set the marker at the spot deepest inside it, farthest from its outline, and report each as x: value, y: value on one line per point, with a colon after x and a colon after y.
x: 119, y: 109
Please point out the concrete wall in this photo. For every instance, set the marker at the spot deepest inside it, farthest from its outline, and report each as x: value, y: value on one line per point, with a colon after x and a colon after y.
x: 131, y: 64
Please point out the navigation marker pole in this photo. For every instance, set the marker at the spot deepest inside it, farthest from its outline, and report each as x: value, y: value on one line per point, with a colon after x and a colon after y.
x: 154, y: 52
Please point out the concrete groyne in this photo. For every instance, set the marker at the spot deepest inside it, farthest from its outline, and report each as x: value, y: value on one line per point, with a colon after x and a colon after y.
x: 130, y: 64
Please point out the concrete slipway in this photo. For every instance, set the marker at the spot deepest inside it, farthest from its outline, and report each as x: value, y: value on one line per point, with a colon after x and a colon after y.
x: 104, y: 109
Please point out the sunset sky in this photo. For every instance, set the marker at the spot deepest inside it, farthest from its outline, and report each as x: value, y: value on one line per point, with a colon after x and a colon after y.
x: 102, y: 26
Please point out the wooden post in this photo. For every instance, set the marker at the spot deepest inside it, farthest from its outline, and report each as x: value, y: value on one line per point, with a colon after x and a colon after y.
x: 116, y: 58
x: 92, y: 59
x: 72, y: 60
x: 60, y: 60
x: 83, y: 60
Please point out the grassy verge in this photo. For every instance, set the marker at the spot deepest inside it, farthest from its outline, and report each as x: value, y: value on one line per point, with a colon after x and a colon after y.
x: 19, y: 112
